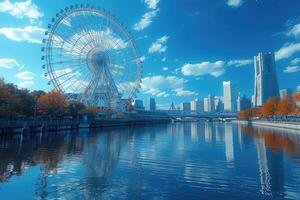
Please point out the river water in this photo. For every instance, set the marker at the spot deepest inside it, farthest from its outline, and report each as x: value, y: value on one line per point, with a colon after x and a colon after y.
x: 197, y: 160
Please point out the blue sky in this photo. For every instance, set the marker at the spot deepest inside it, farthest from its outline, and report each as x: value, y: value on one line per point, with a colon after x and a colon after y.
x: 188, y: 47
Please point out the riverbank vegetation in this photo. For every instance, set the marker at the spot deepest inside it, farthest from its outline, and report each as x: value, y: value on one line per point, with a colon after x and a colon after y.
x: 275, y: 108
x: 16, y: 102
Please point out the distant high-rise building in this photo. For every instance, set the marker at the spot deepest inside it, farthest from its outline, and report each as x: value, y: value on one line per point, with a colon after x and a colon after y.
x: 206, y: 105
x: 266, y: 83
x: 230, y: 96
x: 286, y: 93
x: 197, y: 106
x: 243, y: 103
x: 209, y: 103
x: 219, y: 105
x: 152, y: 104
x: 298, y: 89
x: 185, y: 107
x: 139, y: 105
x: 252, y: 101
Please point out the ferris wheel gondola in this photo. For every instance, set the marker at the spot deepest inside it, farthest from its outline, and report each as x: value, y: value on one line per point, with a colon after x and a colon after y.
x: 90, y: 53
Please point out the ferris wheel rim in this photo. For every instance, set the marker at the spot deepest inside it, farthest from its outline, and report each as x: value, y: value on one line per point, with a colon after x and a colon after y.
x: 77, y: 9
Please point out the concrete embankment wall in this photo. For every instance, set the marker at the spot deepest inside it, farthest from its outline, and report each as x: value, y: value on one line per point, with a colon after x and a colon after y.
x: 277, y: 124
x: 19, y: 128
x: 284, y: 125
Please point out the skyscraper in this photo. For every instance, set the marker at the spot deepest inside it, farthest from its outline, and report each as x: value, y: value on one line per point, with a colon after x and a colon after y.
x: 230, y: 96
x: 209, y: 103
x: 206, y: 105
x: 243, y: 103
x: 219, y: 105
x: 185, y: 107
x: 152, y: 106
x: 266, y: 83
x: 197, y: 105
x: 298, y: 89
x: 139, y: 105
x: 286, y: 93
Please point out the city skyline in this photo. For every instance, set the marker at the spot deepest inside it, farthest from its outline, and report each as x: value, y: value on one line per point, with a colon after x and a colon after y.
x: 201, y: 45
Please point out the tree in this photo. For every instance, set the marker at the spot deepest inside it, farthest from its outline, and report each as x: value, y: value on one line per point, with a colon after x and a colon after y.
x: 285, y: 107
x: 75, y: 107
x: 91, y: 112
x: 296, y: 98
x: 249, y: 113
x: 53, y: 104
x: 245, y: 114
x: 269, y: 108
x: 14, y: 101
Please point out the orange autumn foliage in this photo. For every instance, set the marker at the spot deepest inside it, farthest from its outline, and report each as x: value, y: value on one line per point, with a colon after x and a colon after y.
x: 53, y: 104
x: 296, y: 98
x: 273, y: 107
x: 249, y: 113
x: 285, y: 107
x: 269, y: 108
x: 93, y: 110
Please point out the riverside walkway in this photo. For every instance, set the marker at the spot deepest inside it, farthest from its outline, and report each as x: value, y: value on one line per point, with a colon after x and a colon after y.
x: 38, y: 126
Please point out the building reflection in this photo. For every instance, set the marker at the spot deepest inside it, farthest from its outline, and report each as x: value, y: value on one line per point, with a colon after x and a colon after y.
x: 97, y: 162
x: 219, y: 132
x: 271, y: 145
x: 208, y: 132
x: 263, y: 166
x: 229, y: 148
x: 194, y: 132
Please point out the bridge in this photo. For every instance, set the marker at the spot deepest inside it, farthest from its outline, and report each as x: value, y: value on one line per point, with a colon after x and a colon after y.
x: 183, y: 115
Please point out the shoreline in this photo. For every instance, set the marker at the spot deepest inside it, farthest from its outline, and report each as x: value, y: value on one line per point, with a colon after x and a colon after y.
x: 40, y: 127
x: 273, y: 124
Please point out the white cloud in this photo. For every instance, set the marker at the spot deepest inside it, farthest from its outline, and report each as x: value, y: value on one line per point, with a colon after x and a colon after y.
x: 146, y: 20
x: 24, y: 9
x: 163, y: 60
x: 295, y: 61
x: 9, y: 63
x: 30, y: 34
x: 239, y: 63
x: 105, y: 39
x: 182, y: 92
x: 162, y: 86
x: 159, y: 46
x: 295, y: 31
x: 215, y: 69
x: 26, y: 75
x: 235, y: 3
x: 152, y: 4
x: 165, y: 69
x: 287, y: 50
x: 291, y: 69
x: 25, y: 84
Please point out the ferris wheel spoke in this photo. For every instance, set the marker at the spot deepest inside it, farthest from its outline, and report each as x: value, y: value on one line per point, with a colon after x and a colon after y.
x: 77, y: 41
x: 84, y: 74
x: 61, y: 47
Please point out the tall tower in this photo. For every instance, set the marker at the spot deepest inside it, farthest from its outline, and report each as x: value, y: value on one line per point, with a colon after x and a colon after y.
x: 152, y: 104
x: 209, y: 103
x: 230, y: 96
x: 266, y: 83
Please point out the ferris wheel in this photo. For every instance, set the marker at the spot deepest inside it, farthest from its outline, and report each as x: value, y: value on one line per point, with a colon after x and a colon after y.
x: 91, y: 56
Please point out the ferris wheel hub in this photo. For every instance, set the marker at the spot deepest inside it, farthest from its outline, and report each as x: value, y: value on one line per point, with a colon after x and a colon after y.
x: 90, y: 55
x: 97, y: 60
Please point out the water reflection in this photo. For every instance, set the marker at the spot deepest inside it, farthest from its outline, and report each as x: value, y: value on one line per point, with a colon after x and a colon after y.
x: 175, y: 161
x: 229, y: 142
